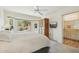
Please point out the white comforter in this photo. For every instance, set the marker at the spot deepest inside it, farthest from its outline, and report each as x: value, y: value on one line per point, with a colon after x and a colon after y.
x: 24, y: 42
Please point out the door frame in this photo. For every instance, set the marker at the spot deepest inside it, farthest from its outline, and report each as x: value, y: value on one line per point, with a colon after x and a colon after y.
x: 63, y: 23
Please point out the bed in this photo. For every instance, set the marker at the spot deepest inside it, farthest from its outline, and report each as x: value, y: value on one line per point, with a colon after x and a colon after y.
x: 23, y: 42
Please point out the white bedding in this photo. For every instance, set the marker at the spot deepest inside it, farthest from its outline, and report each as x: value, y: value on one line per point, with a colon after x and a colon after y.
x: 27, y: 42
x: 24, y: 42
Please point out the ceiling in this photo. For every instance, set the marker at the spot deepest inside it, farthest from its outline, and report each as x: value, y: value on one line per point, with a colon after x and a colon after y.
x: 29, y: 9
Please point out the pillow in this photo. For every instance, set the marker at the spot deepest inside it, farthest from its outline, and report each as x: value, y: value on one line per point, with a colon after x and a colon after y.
x: 5, y: 36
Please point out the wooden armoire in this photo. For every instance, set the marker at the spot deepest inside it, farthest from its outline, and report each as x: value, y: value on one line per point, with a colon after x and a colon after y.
x: 46, y: 29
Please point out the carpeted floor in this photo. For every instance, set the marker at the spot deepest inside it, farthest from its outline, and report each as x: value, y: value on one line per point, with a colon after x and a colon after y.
x: 56, y: 47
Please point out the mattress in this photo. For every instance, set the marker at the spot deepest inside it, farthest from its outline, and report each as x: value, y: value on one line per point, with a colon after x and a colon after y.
x: 23, y: 42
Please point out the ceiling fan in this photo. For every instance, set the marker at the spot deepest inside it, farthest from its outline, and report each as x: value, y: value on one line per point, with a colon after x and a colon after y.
x: 38, y: 10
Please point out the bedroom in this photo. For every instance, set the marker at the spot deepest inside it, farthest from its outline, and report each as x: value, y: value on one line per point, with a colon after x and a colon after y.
x: 33, y: 29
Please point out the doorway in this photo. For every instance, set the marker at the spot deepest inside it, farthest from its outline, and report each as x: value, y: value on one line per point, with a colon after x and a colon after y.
x: 71, y: 29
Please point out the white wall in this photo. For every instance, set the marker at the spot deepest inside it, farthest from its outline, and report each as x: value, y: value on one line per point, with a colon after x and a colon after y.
x: 1, y: 19
x: 4, y: 13
x: 20, y: 16
x: 57, y: 33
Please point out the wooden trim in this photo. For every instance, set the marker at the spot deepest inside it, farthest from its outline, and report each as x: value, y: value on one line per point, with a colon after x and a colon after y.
x: 70, y: 39
x: 71, y: 42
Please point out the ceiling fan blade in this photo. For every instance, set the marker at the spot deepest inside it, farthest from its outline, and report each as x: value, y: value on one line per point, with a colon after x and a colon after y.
x: 40, y: 13
x: 36, y: 8
x: 42, y: 10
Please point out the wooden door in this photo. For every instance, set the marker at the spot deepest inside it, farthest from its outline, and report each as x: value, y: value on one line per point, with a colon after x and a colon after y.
x: 46, y: 30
